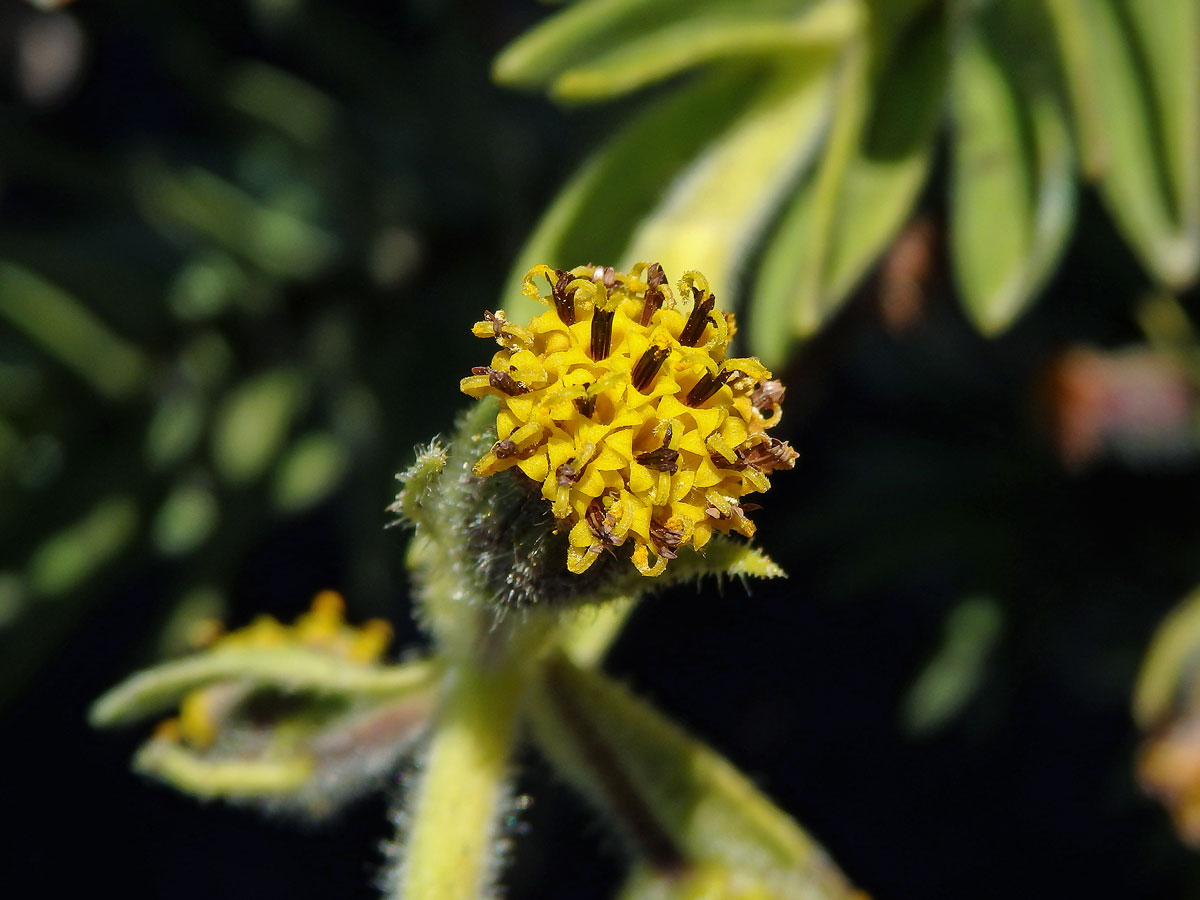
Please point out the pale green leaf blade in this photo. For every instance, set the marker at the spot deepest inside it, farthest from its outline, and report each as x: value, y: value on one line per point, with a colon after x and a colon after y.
x: 1169, y: 663
x: 312, y: 760
x: 674, y: 796
x: 716, y: 209
x: 591, y: 218
x: 957, y: 669
x: 1168, y: 32
x: 875, y: 193
x: 648, y: 58
x: 286, y: 668
x: 252, y: 422
x: 590, y: 31
x: 1127, y: 137
x: 193, y: 773
x: 67, y: 330
x: 1013, y: 192
x: 66, y: 559
x: 791, y: 273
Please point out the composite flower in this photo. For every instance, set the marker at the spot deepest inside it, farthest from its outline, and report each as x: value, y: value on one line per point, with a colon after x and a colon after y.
x: 620, y: 402
x: 323, y: 629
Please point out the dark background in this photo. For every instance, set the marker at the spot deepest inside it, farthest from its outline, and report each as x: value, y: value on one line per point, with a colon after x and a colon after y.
x: 926, y: 476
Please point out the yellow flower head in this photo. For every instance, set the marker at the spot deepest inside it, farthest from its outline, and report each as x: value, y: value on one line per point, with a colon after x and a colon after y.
x: 323, y: 628
x: 622, y: 404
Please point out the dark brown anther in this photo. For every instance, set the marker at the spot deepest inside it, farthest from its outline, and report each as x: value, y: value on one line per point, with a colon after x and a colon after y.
x: 699, y: 319
x: 655, y: 278
x: 567, y: 474
x: 496, y: 321
x: 769, y: 456
x: 708, y: 385
x: 737, y: 510
x: 602, y: 321
x: 647, y: 367
x: 502, y: 381
x: 607, y: 276
x: 665, y: 540
x: 767, y: 395
x: 564, y: 300
x: 504, y: 449
x: 664, y: 459
x: 586, y: 404
x: 601, y: 523
x: 722, y: 463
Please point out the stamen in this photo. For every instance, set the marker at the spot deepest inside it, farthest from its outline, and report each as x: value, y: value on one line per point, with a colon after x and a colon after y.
x: 505, y: 448
x: 708, y: 385
x: 699, y: 318
x: 666, y: 540
x: 769, y: 456
x: 768, y: 395
x: 501, y: 380
x: 602, y: 322
x: 605, y: 275
x: 568, y: 474
x: 601, y: 524
x: 647, y: 367
x: 664, y: 459
x: 586, y: 404
x: 564, y: 302
x: 655, y: 278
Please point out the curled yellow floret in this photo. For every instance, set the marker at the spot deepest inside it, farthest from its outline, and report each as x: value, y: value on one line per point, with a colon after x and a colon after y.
x: 620, y: 401
x: 323, y: 628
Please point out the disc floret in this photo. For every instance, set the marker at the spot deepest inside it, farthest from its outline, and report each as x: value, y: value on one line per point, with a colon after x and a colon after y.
x: 620, y: 402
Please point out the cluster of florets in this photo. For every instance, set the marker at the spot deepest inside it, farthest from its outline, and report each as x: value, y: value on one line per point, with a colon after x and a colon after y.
x: 620, y: 402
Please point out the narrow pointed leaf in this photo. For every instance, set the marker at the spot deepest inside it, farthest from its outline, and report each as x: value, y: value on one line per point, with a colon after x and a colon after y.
x: 66, y: 329
x: 1129, y: 106
x: 1013, y: 190
x: 716, y: 208
x: 677, y: 800
x: 1168, y: 34
x: 312, y: 761
x: 866, y: 197
x: 1169, y: 664
x: 651, y: 57
x: 286, y: 668
x: 592, y: 216
x: 192, y: 773
x: 654, y: 38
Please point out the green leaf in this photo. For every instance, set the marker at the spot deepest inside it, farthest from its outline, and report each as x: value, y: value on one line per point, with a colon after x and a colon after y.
x: 66, y: 329
x: 870, y: 175
x: 592, y: 216
x: 1168, y: 33
x: 310, y: 470
x: 193, y: 773
x: 1133, y: 75
x: 651, y: 57
x: 185, y: 520
x: 721, y: 556
x: 714, y: 211
x: 274, y: 239
x: 678, y: 801
x: 1013, y: 192
x: 285, y: 668
x: 67, y: 559
x: 948, y: 681
x: 311, y: 759
x: 655, y: 38
x: 252, y: 422
x: 1169, y: 668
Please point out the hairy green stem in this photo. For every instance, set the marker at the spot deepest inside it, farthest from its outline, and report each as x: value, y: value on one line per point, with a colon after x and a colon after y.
x: 461, y: 794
